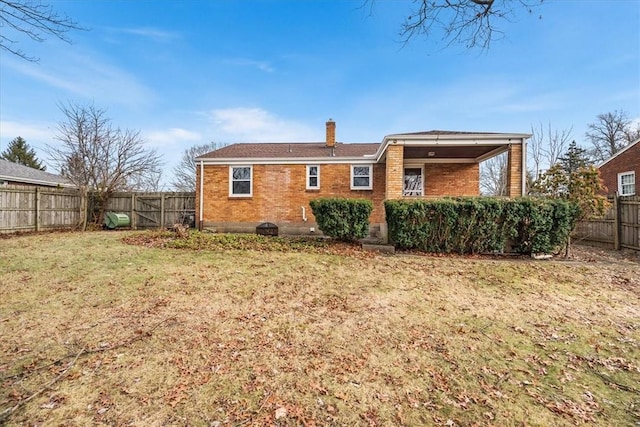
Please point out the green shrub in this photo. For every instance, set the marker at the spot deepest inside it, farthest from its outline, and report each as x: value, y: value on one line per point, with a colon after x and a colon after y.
x: 343, y: 219
x: 480, y: 224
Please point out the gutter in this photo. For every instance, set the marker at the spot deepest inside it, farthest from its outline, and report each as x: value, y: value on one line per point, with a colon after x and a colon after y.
x: 36, y: 181
x: 201, y: 209
x: 524, y: 166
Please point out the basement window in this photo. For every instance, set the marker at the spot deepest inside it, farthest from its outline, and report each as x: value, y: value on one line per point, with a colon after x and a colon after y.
x: 313, y: 177
x: 627, y: 183
x: 240, y: 181
x: 361, y: 177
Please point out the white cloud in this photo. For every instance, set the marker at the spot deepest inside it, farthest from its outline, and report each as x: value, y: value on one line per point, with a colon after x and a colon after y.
x: 245, y: 62
x: 258, y: 125
x: 37, y: 134
x: 86, y: 75
x: 149, y: 33
x: 32, y: 132
x: 171, y: 136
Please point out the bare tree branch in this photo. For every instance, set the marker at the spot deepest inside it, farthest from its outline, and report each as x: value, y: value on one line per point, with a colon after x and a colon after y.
x: 546, y: 147
x: 36, y: 20
x: 184, y: 173
x: 610, y: 134
x: 472, y: 23
x: 493, y: 176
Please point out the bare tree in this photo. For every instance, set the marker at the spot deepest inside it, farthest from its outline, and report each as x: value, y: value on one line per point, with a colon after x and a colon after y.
x: 95, y: 155
x: 32, y: 18
x: 184, y: 173
x: 493, y: 176
x: 471, y: 23
x: 610, y: 134
x: 557, y: 142
x: 535, y: 153
x: 545, y: 148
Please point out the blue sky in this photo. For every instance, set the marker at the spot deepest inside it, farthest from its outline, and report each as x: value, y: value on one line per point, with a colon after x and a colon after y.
x: 191, y: 72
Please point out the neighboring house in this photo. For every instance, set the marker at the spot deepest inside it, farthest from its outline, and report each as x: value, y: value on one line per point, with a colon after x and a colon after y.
x: 15, y: 174
x: 243, y: 185
x: 621, y: 172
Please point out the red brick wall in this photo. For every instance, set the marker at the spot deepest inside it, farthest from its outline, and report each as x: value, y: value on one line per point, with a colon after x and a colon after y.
x: 451, y: 179
x: 279, y: 191
x: 625, y: 162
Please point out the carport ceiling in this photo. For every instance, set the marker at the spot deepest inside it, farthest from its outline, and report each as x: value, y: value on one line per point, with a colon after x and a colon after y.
x: 440, y: 152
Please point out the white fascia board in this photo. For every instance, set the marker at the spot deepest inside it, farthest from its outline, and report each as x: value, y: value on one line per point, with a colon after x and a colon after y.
x: 459, y: 137
x: 451, y: 140
x: 618, y: 153
x: 289, y: 161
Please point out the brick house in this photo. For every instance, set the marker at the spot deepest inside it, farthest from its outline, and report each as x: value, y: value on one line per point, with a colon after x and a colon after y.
x: 620, y: 172
x: 243, y: 185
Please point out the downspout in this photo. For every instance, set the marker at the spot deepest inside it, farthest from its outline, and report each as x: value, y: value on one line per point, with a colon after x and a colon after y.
x: 524, y: 166
x: 201, y: 194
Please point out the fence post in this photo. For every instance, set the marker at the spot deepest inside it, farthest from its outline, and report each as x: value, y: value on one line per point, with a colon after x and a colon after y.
x: 161, y: 211
x: 133, y: 211
x: 84, y: 208
x: 37, y: 209
x: 617, y: 223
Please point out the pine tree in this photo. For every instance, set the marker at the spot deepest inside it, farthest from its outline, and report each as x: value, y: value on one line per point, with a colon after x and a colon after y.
x: 18, y: 151
x: 574, y: 159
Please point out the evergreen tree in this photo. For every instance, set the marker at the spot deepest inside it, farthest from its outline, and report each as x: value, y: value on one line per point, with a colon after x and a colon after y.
x: 574, y: 159
x: 19, y: 152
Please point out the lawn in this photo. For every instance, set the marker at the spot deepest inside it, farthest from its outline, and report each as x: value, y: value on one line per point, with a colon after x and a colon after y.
x: 228, y: 331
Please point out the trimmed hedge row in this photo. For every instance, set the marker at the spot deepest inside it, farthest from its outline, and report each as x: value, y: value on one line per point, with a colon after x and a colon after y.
x: 481, y: 224
x: 343, y: 219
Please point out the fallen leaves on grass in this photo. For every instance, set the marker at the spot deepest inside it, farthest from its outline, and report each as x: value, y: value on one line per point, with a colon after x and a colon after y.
x: 199, y: 241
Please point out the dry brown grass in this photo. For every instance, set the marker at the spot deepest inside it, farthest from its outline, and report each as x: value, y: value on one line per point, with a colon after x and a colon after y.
x: 136, y: 335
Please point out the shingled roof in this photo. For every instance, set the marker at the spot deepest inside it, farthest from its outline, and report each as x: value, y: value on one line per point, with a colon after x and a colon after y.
x: 293, y: 150
x: 14, y: 172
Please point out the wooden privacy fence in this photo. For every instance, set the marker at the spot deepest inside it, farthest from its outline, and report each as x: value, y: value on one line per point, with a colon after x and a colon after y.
x: 619, y: 228
x: 24, y: 208
x: 155, y: 210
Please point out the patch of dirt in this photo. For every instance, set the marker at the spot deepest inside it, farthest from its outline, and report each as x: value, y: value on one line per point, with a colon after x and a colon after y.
x: 593, y: 254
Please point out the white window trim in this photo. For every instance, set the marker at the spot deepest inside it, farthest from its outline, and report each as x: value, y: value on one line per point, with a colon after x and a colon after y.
x: 231, y: 168
x: 370, y: 186
x: 620, y: 175
x: 309, y: 187
x: 421, y: 167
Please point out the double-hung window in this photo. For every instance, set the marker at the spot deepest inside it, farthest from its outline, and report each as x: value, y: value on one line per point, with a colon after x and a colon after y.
x: 240, y: 181
x: 361, y: 177
x: 627, y: 183
x: 313, y: 177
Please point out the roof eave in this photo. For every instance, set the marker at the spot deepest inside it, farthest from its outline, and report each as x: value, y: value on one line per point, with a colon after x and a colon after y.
x: 451, y: 139
x: 36, y: 181
x: 285, y: 160
x: 618, y: 153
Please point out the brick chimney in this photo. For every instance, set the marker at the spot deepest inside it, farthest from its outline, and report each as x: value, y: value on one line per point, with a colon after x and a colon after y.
x: 331, y: 133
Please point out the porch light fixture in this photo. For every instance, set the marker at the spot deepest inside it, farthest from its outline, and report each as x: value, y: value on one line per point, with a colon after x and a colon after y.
x: 431, y: 154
